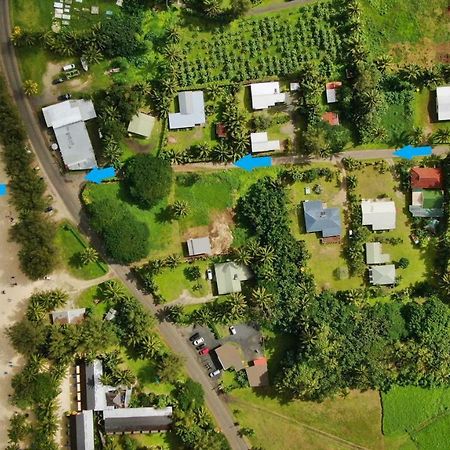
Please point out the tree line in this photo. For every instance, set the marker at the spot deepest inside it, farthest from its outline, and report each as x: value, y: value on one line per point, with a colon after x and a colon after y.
x: 34, y: 231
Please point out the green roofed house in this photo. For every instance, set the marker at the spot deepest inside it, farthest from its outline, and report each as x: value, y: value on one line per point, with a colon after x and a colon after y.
x: 229, y: 276
x: 427, y: 203
x: 142, y: 125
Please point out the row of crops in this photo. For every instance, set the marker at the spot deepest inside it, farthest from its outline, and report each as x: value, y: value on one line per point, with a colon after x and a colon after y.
x: 259, y: 48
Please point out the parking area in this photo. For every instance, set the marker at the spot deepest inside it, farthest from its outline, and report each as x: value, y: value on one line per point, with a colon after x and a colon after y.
x: 248, y: 338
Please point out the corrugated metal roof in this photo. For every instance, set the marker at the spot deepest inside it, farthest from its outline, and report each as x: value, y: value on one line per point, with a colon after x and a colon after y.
x: 443, y: 102
x: 382, y: 275
x: 141, y: 124
x: 265, y: 95
x: 229, y: 276
x: 199, y: 246
x: 381, y: 215
x: 192, y: 111
x: 320, y: 219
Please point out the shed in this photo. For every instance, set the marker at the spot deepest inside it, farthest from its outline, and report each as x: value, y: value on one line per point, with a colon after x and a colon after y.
x: 331, y: 90
x: 199, y: 246
x: 260, y: 143
x: 68, y: 316
x: 229, y: 355
x: 318, y: 218
x: 294, y: 87
x: 381, y: 215
x: 375, y: 255
x: 229, y: 276
x: 141, y: 124
x: 443, y: 102
x: 382, y: 275
x: 192, y: 111
x: 265, y: 95
x: 137, y: 420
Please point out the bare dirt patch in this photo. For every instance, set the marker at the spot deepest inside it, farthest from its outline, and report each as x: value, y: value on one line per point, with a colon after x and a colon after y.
x: 196, y: 232
x: 220, y: 232
x: 137, y: 146
x: 49, y: 91
x: 424, y: 53
x: 78, y: 84
x: 171, y: 140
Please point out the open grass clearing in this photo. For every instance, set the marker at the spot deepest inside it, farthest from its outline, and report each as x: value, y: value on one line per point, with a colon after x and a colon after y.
x: 174, y: 283
x: 435, y: 436
x: 71, y: 244
x: 373, y: 185
x: 89, y: 299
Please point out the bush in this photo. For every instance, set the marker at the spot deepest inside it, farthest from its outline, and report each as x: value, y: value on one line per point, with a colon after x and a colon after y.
x: 148, y: 179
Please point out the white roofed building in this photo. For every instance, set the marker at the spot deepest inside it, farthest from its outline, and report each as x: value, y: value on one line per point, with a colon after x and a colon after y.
x: 381, y: 215
x: 260, y: 143
x: 192, y: 111
x: 68, y: 122
x: 443, y: 102
x: 265, y: 95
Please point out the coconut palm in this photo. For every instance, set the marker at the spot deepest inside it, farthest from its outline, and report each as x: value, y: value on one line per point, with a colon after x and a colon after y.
x: 55, y: 298
x: 212, y: 8
x: 243, y: 255
x: 263, y: 301
x: 172, y: 261
x: 107, y: 379
x: 441, y: 136
x: 150, y: 346
x: 236, y: 305
x: 445, y: 284
x: 124, y: 378
x: 92, y: 55
x: 88, y: 255
x: 266, y: 254
x: 30, y: 87
x: 201, y: 316
x: 35, y: 312
x: 173, y: 35
x: 113, y: 153
x: 180, y: 209
x: 113, y: 290
x: 16, y: 36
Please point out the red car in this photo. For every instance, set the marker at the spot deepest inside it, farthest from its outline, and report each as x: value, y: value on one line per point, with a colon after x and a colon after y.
x: 204, y: 351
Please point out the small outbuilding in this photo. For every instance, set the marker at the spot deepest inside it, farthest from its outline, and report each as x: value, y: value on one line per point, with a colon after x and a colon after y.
x: 382, y: 275
x: 229, y: 276
x: 331, y: 91
x: 141, y: 124
x: 375, y: 255
x: 199, y: 246
x: 380, y: 215
x: 443, y: 102
x: 69, y: 316
x: 229, y: 356
x: 260, y: 143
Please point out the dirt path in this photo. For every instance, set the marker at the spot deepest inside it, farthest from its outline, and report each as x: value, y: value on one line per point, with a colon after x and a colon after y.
x: 336, y: 439
x: 187, y: 299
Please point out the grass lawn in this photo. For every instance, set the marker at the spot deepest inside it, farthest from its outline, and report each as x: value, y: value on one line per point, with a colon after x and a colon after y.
x: 173, y: 282
x: 33, y: 64
x: 70, y: 244
x: 86, y: 299
x: 417, y: 416
x: 425, y: 115
x: 372, y: 185
x: 163, y: 441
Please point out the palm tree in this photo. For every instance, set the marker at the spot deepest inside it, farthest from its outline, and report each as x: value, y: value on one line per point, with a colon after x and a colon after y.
x: 212, y: 8
x: 92, y: 55
x: 30, y: 87
x: 113, y: 290
x: 201, y: 316
x: 113, y: 153
x: 107, y: 379
x: 172, y: 260
x: 243, y: 255
x: 150, y: 346
x: 88, y: 255
x: 173, y: 35
x: 35, y: 312
x: 383, y: 62
x: 220, y: 153
x: 16, y: 35
x: 441, y: 136
x: 265, y: 254
x: 112, y: 360
x: 445, y: 283
x: 236, y: 305
x: 263, y: 301
x: 55, y: 298
x: 180, y: 209
x: 124, y: 378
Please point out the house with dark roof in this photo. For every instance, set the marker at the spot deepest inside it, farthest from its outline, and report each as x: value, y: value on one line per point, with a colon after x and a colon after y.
x: 137, y: 420
x: 81, y: 431
x: 257, y: 373
x: 319, y: 218
x: 426, y: 178
x: 229, y: 355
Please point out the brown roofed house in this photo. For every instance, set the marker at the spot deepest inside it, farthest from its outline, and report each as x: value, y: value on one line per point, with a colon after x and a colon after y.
x: 426, y: 178
x: 257, y: 373
x: 229, y: 355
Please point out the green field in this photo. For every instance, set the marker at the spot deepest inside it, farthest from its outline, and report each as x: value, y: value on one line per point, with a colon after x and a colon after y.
x: 71, y: 244
x: 417, y: 415
x: 373, y: 185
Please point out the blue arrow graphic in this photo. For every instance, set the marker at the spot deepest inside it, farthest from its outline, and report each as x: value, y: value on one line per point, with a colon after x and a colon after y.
x: 2, y: 190
x: 97, y: 175
x: 249, y: 163
x: 409, y: 152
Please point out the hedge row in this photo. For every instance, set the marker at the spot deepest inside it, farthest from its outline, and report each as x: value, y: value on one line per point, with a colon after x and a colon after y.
x: 33, y: 230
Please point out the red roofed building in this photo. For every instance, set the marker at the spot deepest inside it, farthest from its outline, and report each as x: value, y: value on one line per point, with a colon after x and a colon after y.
x: 426, y: 178
x: 260, y: 361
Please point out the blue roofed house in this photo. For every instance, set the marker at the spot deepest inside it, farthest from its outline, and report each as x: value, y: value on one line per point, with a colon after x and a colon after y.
x: 192, y: 111
x: 319, y: 218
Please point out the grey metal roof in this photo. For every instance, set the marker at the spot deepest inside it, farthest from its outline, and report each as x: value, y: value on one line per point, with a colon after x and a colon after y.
x: 375, y: 255
x: 82, y: 431
x: 229, y: 276
x: 192, y: 111
x: 124, y: 420
x: 382, y: 275
x: 95, y: 395
x: 75, y: 146
x: 199, y: 246
x: 320, y: 219
x: 68, y: 316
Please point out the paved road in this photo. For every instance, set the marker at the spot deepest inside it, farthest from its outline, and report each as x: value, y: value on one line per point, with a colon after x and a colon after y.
x: 67, y: 199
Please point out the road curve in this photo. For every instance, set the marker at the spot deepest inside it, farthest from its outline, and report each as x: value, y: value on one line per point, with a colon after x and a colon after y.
x: 68, y: 198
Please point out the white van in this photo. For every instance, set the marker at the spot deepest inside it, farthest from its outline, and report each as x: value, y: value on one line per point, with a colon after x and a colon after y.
x: 68, y: 67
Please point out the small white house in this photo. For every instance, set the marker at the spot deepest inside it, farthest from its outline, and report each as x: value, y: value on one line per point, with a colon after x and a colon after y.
x: 381, y: 215
x: 443, y: 102
x: 265, y: 95
x: 260, y: 143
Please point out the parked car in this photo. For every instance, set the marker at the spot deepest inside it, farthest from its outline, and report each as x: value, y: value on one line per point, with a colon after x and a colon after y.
x: 214, y: 374
x: 64, y: 97
x: 232, y: 330
x: 68, y: 67
x: 204, y: 351
x: 194, y: 337
x: 58, y: 81
x: 209, y: 274
x: 198, y: 341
